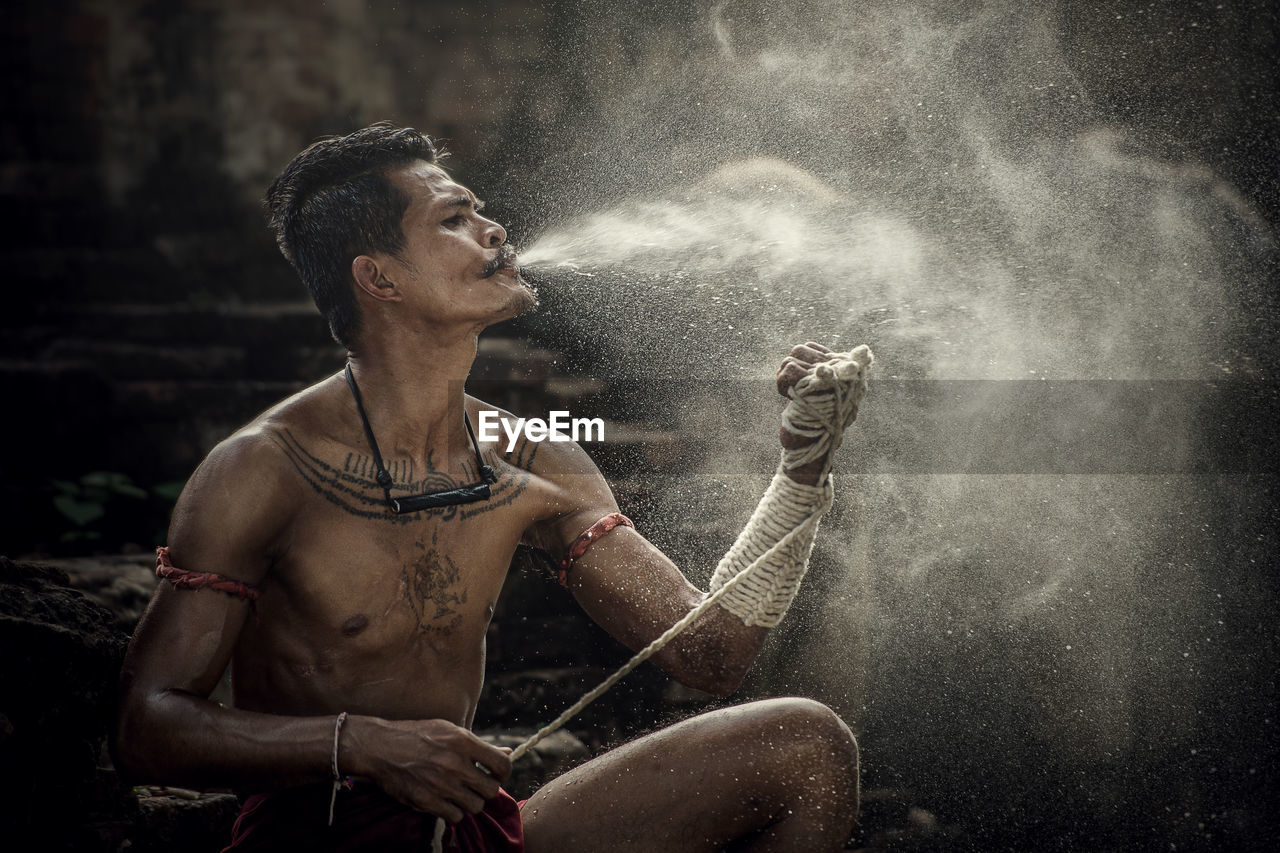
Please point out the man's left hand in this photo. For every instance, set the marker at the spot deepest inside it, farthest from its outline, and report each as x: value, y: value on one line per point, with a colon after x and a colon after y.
x: 796, y: 366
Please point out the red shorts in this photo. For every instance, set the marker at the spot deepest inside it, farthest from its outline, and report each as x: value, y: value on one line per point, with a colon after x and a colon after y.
x: 367, y: 819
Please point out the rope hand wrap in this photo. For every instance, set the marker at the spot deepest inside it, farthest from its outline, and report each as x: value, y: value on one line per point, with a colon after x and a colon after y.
x: 766, y: 573
x: 845, y: 394
x: 762, y: 595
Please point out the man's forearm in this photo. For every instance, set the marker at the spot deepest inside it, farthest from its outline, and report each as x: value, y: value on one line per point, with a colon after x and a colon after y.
x: 715, y: 653
x: 174, y: 737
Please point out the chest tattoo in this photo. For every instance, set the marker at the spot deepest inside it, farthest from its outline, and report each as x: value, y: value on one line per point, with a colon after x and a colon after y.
x: 433, y: 588
x: 351, y: 487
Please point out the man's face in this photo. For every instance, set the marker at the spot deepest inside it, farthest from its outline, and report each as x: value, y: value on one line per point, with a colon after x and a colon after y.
x: 455, y: 265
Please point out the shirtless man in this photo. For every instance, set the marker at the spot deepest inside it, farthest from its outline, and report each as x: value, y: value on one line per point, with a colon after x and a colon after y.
x: 356, y: 633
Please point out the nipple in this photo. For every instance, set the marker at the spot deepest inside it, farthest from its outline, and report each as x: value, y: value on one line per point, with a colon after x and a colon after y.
x: 355, y: 625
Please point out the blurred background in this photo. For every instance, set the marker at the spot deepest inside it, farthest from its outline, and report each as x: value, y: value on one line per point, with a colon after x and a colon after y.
x: 1047, y: 597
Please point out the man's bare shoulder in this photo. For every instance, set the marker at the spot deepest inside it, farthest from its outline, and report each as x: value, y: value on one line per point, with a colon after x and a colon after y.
x: 259, y: 449
x: 247, y: 488
x: 309, y: 411
x: 551, y: 459
x: 572, y: 489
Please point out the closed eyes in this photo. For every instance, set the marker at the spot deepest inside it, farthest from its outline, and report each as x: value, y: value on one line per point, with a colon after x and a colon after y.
x: 463, y: 204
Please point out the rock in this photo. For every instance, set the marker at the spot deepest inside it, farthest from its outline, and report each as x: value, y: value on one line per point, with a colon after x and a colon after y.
x: 57, y: 689
x: 188, y: 821
x: 557, y: 753
x: 890, y: 821
x: 122, y: 583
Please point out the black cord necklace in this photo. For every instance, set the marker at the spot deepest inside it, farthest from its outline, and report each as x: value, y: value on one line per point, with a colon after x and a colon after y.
x: 427, y: 500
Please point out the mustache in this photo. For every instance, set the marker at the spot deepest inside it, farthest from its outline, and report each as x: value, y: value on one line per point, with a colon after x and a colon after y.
x: 506, y: 257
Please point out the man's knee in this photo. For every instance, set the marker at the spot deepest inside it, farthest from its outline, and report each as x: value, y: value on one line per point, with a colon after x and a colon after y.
x: 814, y: 759
x: 808, y: 716
x: 816, y: 733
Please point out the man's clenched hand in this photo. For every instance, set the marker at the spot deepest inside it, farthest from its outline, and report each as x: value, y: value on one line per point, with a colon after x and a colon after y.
x: 430, y: 765
x: 799, y: 364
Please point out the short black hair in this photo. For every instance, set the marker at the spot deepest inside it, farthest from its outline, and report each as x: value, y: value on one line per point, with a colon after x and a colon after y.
x: 335, y: 201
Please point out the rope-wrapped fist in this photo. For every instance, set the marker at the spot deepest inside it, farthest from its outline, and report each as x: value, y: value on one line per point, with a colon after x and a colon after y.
x: 825, y: 389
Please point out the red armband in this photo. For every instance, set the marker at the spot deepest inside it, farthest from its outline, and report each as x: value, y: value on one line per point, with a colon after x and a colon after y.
x: 583, y: 542
x: 183, y: 579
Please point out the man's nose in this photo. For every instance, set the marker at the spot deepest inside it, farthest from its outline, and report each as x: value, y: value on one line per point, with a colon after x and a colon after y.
x: 494, y: 234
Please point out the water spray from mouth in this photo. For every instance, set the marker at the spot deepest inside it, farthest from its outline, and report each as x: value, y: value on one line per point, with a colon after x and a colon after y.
x: 505, y: 259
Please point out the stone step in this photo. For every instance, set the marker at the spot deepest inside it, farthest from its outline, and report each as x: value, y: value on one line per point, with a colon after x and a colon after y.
x: 235, y: 323
x: 127, y: 361
x: 227, y: 324
x: 207, y: 400
x: 124, y: 361
x: 235, y: 341
x: 179, y: 819
x: 238, y: 399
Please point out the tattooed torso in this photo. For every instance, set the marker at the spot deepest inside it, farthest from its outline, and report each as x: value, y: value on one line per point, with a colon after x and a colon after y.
x: 388, y: 611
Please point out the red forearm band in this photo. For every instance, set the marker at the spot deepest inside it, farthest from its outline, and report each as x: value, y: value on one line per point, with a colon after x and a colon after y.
x: 183, y: 579
x: 589, y: 536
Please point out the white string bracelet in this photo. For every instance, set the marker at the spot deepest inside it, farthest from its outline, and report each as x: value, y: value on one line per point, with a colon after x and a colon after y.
x: 339, y: 781
x: 437, y: 836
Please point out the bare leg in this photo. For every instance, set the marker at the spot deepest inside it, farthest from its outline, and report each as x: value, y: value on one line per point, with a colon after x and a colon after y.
x: 781, y: 774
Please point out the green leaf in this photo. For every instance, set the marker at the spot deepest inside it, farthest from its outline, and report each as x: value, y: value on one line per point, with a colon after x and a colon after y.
x: 94, y: 494
x: 128, y: 489
x: 66, y: 487
x: 80, y: 512
x: 169, y: 491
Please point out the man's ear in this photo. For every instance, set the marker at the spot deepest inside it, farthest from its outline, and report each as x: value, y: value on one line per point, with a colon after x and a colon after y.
x: 368, y: 274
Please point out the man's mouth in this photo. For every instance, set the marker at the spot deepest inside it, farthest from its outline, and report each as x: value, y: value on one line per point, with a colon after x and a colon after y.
x: 504, y: 260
